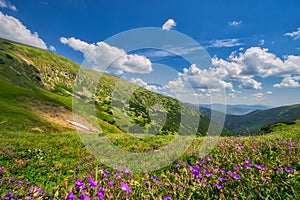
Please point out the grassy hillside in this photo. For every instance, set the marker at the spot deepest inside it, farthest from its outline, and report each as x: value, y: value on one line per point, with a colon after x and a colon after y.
x: 43, y: 165
x: 34, y: 80
x: 252, y: 122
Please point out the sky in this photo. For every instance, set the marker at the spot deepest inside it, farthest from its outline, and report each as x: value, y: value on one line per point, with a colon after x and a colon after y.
x: 248, y: 51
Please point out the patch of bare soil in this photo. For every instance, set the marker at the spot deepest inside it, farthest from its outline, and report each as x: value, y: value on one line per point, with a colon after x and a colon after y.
x: 60, y: 116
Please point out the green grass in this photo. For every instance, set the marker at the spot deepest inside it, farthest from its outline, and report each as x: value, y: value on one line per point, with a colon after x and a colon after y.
x: 54, y: 161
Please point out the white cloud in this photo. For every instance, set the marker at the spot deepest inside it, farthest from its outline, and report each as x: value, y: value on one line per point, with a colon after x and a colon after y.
x: 258, y: 96
x: 12, y: 29
x: 169, y: 24
x: 240, y: 67
x: 289, y: 81
x: 52, y: 48
x: 169, y: 51
x: 234, y: 23
x: 200, y: 80
x: 256, y: 61
x: 101, y: 55
x: 295, y: 34
x: 7, y: 4
x: 225, y: 43
x: 269, y: 92
x: 250, y: 83
x: 261, y: 42
x: 141, y: 83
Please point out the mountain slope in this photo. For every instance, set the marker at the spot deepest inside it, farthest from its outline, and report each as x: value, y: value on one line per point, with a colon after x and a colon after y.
x: 252, y: 122
x: 37, y: 86
x: 238, y: 109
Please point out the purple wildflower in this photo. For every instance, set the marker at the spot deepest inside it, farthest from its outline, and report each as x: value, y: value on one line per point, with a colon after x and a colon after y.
x: 195, y: 170
x: 289, y: 170
x: 9, y: 194
x: 92, y: 183
x: 127, y: 170
x: 240, y: 147
x: 155, y: 179
x: 208, y: 174
x: 84, y: 197
x: 106, y: 173
x: 219, y: 186
x: 12, y: 180
x: 147, y: 184
x: 246, y: 160
x: 111, y: 184
x: 125, y: 188
x: 248, y: 166
x: 20, y: 182
x: 236, y: 168
x: 118, y: 176
x: 280, y: 170
x: 169, y: 197
x: 79, y: 185
x: 234, y: 175
x: 222, y: 179
x: 260, y: 166
x: 200, y: 163
x: 101, y: 193
x: 105, y: 179
x: 70, y: 195
x: 1, y: 169
x: 41, y: 192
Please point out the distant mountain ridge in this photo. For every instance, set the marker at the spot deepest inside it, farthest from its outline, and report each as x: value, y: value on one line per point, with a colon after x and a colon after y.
x: 237, y: 109
x: 252, y: 122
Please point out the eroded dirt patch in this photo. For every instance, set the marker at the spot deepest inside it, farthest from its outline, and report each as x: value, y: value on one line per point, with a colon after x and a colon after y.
x: 61, y: 116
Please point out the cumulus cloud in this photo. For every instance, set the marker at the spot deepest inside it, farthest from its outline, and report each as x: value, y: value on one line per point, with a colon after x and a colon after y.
x: 258, y: 96
x: 269, y: 92
x: 169, y: 24
x: 199, y: 80
x: 12, y: 29
x: 261, y: 42
x: 289, y: 81
x: 250, y: 83
x: 141, y: 83
x: 234, y: 23
x: 242, y: 68
x: 103, y: 57
x: 225, y: 43
x: 52, y: 48
x: 259, y: 62
x: 294, y: 34
x: 7, y: 4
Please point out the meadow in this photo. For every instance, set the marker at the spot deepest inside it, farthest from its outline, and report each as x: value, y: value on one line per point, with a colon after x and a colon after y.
x: 40, y: 159
x: 36, y: 165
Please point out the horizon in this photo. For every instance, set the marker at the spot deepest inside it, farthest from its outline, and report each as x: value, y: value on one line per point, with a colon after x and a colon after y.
x: 253, y: 57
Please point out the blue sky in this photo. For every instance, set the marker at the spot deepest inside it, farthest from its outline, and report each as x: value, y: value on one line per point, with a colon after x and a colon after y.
x: 254, y: 45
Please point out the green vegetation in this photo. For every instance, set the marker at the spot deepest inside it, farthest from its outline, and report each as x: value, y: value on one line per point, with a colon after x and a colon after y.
x: 250, y: 123
x: 256, y: 167
x: 48, y: 78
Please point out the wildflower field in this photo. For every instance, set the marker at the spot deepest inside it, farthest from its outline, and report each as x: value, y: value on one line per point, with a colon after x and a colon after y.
x: 37, y: 165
